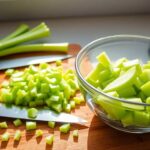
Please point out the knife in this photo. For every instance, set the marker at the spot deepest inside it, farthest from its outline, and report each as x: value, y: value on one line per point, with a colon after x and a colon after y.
x: 29, y: 60
x: 43, y: 115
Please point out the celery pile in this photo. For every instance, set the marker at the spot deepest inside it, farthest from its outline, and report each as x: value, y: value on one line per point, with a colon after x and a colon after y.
x: 44, y: 85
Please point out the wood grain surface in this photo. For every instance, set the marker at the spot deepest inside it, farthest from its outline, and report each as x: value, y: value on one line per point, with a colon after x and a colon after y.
x: 95, y: 135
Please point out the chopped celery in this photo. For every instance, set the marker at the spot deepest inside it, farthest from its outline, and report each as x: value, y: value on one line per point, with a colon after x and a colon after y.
x: 68, y: 108
x: 78, y: 100
x: 5, y: 137
x: 3, y: 124
x: 9, y: 72
x: 17, y: 122
x: 75, y: 133
x: 65, y: 128
x: 38, y: 133
x: 30, y: 125
x: 51, y: 124
x: 32, y: 112
x: 17, y: 135
x: 50, y: 139
x: 58, y: 63
x: 72, y: 104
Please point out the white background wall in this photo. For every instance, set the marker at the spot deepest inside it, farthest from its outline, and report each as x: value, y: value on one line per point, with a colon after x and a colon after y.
x: 29, y: 9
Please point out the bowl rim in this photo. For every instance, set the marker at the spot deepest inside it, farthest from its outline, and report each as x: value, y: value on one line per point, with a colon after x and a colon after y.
x: 105, y: 40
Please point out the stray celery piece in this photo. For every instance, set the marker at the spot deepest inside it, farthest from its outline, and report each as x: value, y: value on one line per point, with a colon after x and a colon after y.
x: 9, y: 72
x: 3, y: 124
x: 17, y: 135
x: 75, y: 133
x: 50, y: 139
x: 5, y: 137
x: 17, y: 122
x: 32, y: 112
x: 68, y: 108
x: 72, y: 104
x: 20, y: 30
x: 49, y: 47
x: 65, y: 128
x: 38, y: 133
x: 58, y: 63
x: 51, y: 124
x: 30, y: 125
x: 78, y: 100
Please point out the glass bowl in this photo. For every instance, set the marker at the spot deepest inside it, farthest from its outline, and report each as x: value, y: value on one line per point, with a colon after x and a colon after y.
x: 127, y: 116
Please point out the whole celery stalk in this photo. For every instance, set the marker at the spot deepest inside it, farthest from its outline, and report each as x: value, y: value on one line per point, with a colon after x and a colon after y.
x: 49, y: 47
x: 20, y: 30
x: 35, y: 33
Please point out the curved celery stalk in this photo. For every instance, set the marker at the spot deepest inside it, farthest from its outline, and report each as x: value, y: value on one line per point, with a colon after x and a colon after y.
x: 21, y: 29
x: 42, y: 32
x: 55, y: 47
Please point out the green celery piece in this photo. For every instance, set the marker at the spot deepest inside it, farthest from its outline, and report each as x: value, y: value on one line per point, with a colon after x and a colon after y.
x: 17, y: 135
x: 3, y: 125
x: 127, y: 92
x: 72, y: 83
x: 122, y: 81
x: 50, y: 139
x: 17, y: 122
x: 30, y: 125
x: 142, y: 96
x: 115, y: 71
x: 133, y: 106
x: 65, y: 128
x: 75, y: 133
x: 128, y: 119
x: 68, y: 108
x: 146, y: 88
x: 6, y: 96
x: 47, y: 47
x: 42, y: 32
x: 45, y: 88
x: 104, y: 75
x: 72, y: 104
x: 51, y: 124
x: 38, y: 133
x: 58, y: 63
x: 141, y: 118
x: 148, y: 102
x: 105, y: 83
x: 32, y: 104
x: 5, y: 84
x: 54, y: 98
x: 146, y: 66
x: 5, y: 137
x: 9, y: 72
x: 32, y: 112
x: 20, y: 30
x: 145, y: 75
x: 57, y: 107
x: 138, y: 83
x: 104, y: 59
x: 119, y: 62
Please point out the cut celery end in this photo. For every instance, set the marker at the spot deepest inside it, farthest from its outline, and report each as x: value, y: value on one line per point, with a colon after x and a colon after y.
x: 51, y: 124
x: 75, y: 133
x: 17, y: 122
x: 17, y: 135
x: 65, y: 128
x: 50, y: 139
x: 30, y: 125
x: 39, y: 133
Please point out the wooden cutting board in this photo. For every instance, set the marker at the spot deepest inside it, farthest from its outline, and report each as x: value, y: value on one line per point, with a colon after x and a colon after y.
x: 94, y: 136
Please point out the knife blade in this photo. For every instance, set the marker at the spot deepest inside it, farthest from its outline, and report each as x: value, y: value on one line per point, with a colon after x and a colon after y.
x: 30, y: 60
x: 43, y: 115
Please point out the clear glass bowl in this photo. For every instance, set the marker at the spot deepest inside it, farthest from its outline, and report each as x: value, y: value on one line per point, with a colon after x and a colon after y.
x: 118, y: 113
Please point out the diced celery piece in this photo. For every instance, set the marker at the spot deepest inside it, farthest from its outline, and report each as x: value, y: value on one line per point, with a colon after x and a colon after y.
x: 57, y: 107
x: 3, y: 124
x: 43, y: 65
x: 122, y: 81
x: 104, y: 75
x: 138, y: 83
x: 58, y: 63
x: 5, y: 137
x: 9, y: 72
x: 119, y: 62
x: 68, y: 108
x: 75, y: 133
x: 17, y: 135
x: 54, y: 98
x: 146, y: 88
x: 72, y: 104
x: 50, y: 139
x: 104, y: 59
x: 30, y: 125
x: 145, y: 75
x: 45, y: 88
x: 32, y: 112
x: 39, y: 133
x: 5, y: 84
x: 127, y: 120
x: 17, y: 122
x: 7, y: 96
x: 51, y: 124
x: 78, y: 99
x: 65, y: 128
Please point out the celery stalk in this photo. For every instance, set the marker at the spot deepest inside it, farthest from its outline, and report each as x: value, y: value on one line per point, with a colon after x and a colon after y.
x: 49, y: 47
x: 21, y: 29
x: 42, y: 32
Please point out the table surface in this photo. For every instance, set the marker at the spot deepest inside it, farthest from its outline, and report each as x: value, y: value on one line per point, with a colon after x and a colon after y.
x: 95, y: 135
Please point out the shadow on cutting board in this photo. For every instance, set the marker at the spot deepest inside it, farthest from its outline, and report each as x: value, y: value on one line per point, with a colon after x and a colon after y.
x: 103, y: 137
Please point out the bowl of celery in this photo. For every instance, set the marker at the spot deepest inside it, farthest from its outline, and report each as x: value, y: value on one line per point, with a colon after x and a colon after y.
x: 114, y: 76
